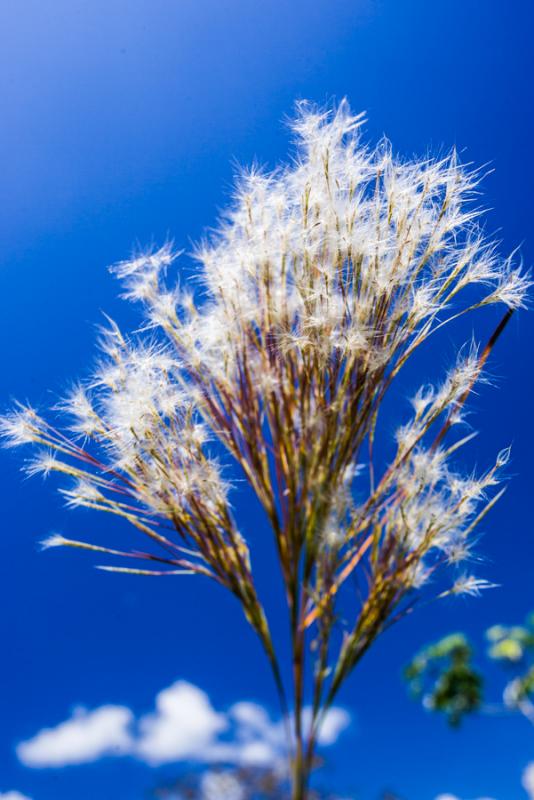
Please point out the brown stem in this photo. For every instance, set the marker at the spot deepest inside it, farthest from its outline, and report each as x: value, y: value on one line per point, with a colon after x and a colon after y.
x: 299, y: 773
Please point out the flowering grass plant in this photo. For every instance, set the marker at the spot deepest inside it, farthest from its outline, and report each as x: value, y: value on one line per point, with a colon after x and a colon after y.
x: 322, y: 281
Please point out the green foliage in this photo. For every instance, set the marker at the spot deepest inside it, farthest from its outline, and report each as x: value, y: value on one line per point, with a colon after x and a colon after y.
x: 524, y: 686
x: 442, y: 675
x: 511, y: 644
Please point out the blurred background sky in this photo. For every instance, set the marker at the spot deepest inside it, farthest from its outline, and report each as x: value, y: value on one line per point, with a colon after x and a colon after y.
x: 122, y: 123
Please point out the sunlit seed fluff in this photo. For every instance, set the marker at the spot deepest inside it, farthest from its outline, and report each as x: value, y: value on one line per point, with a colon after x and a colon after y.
x: 20, y: 427
x: 468, y: 584
x: 43, y: 464
x: 422, y: 399
x: 458, y: 551
x: 54, y: 540
x: 83, y: 493
x: 503, y: 457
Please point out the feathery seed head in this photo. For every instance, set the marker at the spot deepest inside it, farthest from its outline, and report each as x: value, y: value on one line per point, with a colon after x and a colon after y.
x: 54, y: 540
x: 323, y: 279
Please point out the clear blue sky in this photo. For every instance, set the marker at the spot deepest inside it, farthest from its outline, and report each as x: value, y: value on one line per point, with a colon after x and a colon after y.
x: 122, y: 122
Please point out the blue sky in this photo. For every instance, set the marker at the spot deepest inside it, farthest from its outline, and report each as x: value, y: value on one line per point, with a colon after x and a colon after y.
x: 123, y: 122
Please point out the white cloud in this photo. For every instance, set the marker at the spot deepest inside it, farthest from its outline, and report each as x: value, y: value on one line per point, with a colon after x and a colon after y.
x: 528, y: 780
x: 13, y: 796
x: 86, y: 736
x: 454, y: 797
x: 183, y: 727
x: 335, y: 721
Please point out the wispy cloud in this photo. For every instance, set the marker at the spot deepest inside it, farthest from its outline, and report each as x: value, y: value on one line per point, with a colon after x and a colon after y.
x: 184, y: 726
